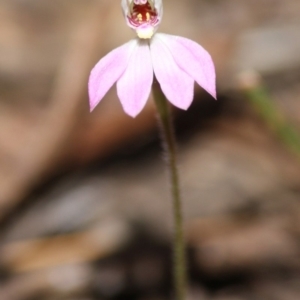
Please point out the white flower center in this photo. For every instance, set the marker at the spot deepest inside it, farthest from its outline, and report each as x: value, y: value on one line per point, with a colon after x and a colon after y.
x: 143, y: 17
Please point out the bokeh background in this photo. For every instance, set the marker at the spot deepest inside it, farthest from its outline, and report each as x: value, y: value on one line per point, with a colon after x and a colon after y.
x: 85, y: 212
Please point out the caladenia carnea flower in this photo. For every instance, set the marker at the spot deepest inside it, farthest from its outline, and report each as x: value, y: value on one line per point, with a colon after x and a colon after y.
x: 176, y: 62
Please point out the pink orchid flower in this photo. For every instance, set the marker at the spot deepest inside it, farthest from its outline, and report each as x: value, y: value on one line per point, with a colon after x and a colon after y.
x: 176, y: 62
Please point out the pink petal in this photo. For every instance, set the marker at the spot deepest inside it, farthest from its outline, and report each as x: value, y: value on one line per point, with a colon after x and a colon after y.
x: 193, y: 59
x: 107, y: 71
x: 177, y: 86
x: 134, y: 85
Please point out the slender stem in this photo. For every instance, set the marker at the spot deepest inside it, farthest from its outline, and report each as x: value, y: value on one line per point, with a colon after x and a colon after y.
x: 170, y: 148
x: 266, y: 107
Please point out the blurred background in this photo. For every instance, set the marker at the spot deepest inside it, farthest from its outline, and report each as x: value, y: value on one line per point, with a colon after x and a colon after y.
x: 85, y: 212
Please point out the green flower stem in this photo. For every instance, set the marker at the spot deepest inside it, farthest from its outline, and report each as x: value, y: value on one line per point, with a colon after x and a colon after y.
x: 261, y: 100
x: 170, y: 148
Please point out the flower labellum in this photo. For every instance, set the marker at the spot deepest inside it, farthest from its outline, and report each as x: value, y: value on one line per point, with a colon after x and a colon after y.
x: 143, y: 16
x: 176, y: 62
